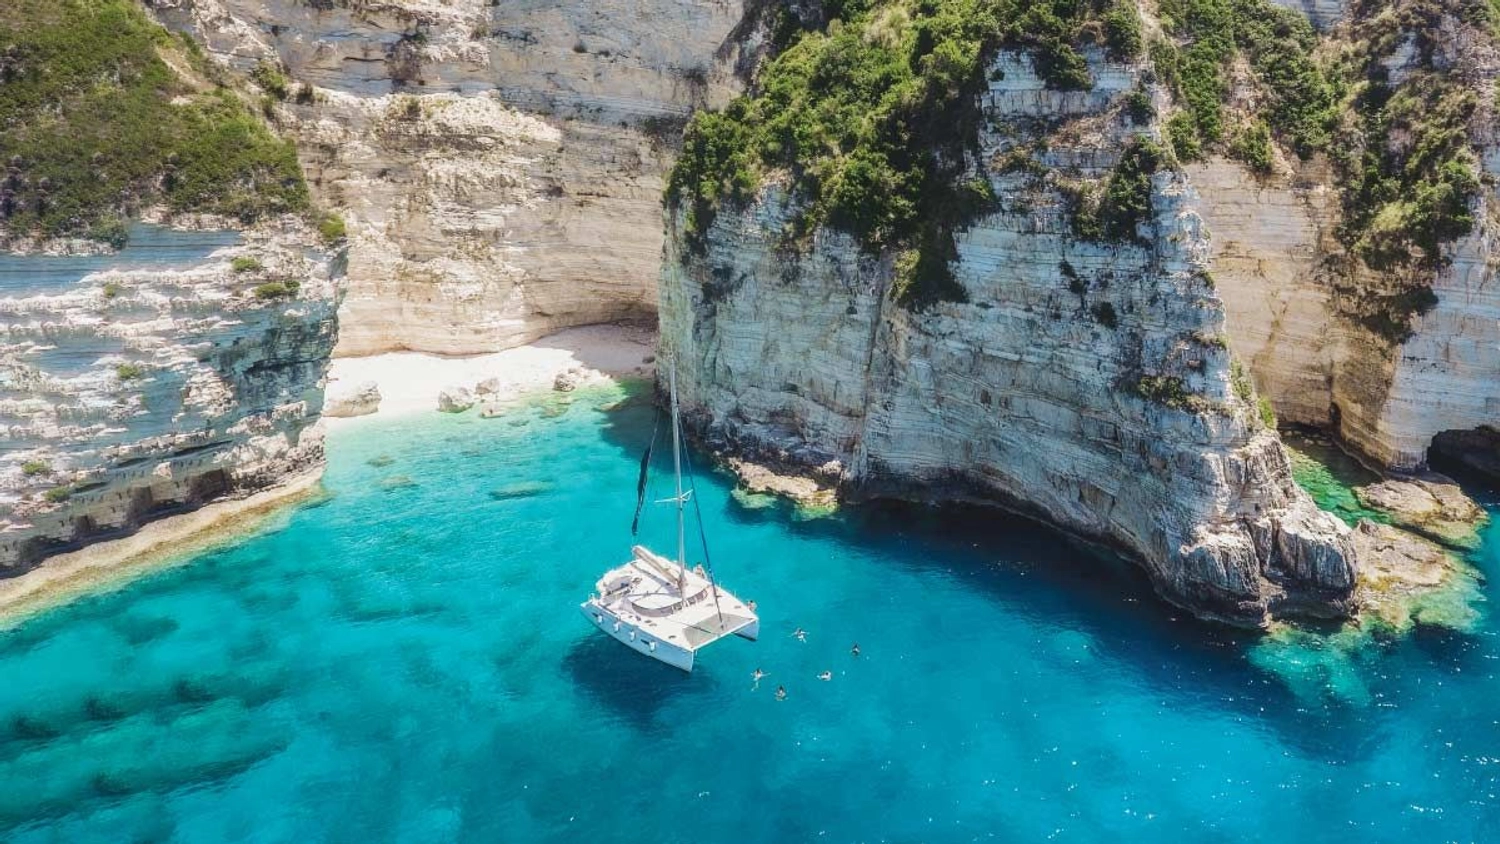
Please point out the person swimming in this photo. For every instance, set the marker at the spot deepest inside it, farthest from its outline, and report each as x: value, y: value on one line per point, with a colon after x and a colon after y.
x: 826, y: 675
x: 854, y: 651
x: 781, y: 692
x: 800, y: 634
x: 757, y: 676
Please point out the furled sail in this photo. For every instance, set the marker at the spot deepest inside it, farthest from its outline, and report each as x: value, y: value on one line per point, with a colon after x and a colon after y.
x: 640, y: 485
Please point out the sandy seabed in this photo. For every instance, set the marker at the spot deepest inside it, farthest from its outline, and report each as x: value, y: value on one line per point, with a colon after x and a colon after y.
x: 409, y: 382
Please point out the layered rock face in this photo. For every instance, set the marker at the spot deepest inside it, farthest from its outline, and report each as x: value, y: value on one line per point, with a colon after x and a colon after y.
x: 1085, y: 382
x: 1294, y: 294
x: 500, y: 165
x: 135, y: 393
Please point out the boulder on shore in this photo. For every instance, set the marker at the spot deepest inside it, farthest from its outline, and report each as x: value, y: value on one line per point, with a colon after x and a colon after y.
x: 362, y: 399
x: 455, y: 399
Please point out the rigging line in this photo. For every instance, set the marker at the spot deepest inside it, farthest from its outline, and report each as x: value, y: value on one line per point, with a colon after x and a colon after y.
x: 708, y: 565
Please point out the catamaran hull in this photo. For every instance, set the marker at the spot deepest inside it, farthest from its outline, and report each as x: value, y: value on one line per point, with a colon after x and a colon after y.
x: 751, y: 631
x: 638, y: 640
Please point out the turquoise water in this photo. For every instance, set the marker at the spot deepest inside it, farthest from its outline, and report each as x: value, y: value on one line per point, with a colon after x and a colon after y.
x: 405, y: 662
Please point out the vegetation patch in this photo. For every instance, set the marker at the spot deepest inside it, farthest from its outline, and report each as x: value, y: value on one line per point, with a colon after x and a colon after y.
x: 870, y: 110
x: 32, y: 468
x: 245, y: 264
x: 1116, y: 213
x: 331, y: 229
x: 1205, y: 36
x: 94, y: 124
x: 277, y: 289
x: 129, y: 371
x: 1169, y: 390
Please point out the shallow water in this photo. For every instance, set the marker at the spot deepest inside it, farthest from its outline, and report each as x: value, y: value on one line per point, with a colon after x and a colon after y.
x: 406, y: 662
x: 149, y: 247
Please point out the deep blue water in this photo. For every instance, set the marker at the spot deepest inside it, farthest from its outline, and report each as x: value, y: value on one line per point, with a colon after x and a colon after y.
x: 149, y: 247
x: 405, y: 662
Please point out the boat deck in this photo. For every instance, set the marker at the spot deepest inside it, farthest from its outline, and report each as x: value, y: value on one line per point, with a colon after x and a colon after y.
x: 644, y: 593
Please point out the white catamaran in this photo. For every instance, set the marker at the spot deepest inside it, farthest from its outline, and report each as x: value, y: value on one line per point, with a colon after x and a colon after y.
x: 658, y: 606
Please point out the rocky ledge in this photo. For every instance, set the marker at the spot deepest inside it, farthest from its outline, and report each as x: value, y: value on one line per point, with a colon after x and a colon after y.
x: 131, y: 395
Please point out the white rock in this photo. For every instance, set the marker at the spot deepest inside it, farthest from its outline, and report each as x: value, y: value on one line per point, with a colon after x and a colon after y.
x: 455, y: 399
x: 362, y: 399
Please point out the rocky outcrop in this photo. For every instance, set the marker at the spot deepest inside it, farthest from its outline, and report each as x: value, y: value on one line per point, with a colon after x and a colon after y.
x: 1473, y: 453
x: 362, y: 399
x: 1432, y: 506
x: 134, y: 394
x: 1083, y: 382
x: 455, y: 400
x: 500, y: 166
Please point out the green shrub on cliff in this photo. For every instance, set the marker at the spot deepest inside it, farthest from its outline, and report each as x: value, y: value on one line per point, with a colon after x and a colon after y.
x: 871, y: 114
x: 1404, y: 199
x: 1125, y: 202
x: 94, y: 123
x: 1253, y: 146
x: 1122, y: 31
x: 277, y: 289
x: 1278, y: 44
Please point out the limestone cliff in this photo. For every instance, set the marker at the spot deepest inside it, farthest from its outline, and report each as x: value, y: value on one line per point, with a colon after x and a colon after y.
x: 500, y: 165
x: 1081, y: 379
x: 134, y: 393
x: 1299, y: 300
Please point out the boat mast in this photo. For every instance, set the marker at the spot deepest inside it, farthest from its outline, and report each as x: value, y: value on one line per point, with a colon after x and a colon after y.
x: 677, y: 471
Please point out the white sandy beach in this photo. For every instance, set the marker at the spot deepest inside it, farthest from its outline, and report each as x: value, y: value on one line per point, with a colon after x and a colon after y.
x: 409, y: 382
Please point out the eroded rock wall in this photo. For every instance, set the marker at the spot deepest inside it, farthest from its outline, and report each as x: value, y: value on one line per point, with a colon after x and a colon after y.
x: 500, y: 165
x: 135, y: 394
x: 1026, y: 394
x: 1296, y: 297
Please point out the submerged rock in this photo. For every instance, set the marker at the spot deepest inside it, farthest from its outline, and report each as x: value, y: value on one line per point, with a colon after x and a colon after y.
x: 1405, y: 579
x: 1433, y: 506
x: 361, y: 400
x: 524, y: 489
x: 395, y: 482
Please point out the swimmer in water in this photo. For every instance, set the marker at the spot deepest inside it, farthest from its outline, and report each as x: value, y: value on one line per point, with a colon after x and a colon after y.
x: 854, y: 651
x: 781, y: 692
x: 757, y: 676
x: 800, y: 634
x: 826, y: 675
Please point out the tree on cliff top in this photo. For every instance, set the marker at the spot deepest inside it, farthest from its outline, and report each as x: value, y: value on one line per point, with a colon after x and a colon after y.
x: 103, y: 112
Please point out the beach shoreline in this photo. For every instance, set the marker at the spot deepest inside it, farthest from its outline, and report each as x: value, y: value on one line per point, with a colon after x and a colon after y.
x: 410, y: 382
